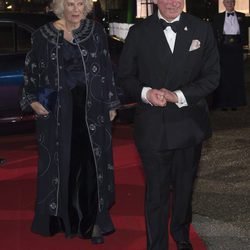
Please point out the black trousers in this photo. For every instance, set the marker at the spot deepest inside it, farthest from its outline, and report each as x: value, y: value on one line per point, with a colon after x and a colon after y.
x: 82, y: 180
x: 165, y: 168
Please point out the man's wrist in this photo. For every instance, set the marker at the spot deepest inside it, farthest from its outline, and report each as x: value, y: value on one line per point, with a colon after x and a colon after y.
x: 176, y: 97
x: 144, y: 95
x: 182, y: 102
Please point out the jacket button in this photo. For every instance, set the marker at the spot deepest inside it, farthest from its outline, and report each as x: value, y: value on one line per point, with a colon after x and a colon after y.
x: 92, y: 127
x: 110, y: 167
x: 84, y: 52
x: 53, y: 206
x: 101, y: 201
x: 101, y: 119
x: 53, y: 56
x: 57, y: 143
x: 55, y: 181
x: 100, y: 178
x: 89, y: 103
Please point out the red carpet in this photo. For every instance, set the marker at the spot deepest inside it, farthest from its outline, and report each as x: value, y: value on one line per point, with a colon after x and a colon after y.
x: 17, y: 192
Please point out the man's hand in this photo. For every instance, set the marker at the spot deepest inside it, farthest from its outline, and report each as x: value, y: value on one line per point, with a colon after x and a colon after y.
x: 39, y: 108
x: 169, y: 95
x: 156, y: 97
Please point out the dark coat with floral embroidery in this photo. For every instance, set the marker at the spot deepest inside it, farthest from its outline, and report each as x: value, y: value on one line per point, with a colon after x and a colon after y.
x: 43, y: 69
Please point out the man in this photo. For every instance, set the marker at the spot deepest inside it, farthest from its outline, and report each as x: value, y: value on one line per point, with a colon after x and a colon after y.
x: 231, y: 34
x: 169, y: 70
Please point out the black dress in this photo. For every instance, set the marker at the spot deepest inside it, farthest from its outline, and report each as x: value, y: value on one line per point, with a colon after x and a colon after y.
x: 83, y: 199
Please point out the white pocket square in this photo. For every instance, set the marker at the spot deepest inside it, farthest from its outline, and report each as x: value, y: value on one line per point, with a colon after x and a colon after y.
x: 195, y: 45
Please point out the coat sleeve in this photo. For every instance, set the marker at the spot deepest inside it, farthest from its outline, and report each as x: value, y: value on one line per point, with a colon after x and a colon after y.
x: 209, y: 76
x: 31, y: 78
x: 110, y: 93
x: 244, y: 30
x: 128, y: 69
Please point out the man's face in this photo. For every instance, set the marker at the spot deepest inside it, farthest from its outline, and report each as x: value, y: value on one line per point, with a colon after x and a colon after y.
x: 170, y: 9
x: 229, y: 5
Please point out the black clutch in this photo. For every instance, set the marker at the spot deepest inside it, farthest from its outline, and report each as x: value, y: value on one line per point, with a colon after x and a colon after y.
x: 47, y: 97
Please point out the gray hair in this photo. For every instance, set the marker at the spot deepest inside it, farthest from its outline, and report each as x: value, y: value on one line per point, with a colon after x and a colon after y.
x: 58, y: 7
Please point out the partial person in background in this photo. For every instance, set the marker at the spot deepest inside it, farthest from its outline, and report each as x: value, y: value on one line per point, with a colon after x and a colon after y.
x: 69, y: 84
x: 231, y: 33
x: 169, y: 65
x: 48, y: 8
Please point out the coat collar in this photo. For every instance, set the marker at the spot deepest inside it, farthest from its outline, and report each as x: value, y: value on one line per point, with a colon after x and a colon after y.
x: 53, y: 35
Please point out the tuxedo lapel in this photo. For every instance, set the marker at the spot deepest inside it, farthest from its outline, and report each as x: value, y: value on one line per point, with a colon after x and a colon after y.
x: 239, y: 18
x: 159, y: 43
x: 221, y: 22
x: 158, y: 37
x: 183, y: 39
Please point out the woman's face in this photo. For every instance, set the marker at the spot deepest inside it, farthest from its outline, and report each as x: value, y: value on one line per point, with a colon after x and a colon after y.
x: 73, y: 11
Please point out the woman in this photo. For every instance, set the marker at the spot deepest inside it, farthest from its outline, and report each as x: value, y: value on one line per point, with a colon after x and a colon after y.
x: 69, y: 84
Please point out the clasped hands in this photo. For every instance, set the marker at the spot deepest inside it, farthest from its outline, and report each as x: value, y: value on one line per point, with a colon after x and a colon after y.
x: 160, y: 97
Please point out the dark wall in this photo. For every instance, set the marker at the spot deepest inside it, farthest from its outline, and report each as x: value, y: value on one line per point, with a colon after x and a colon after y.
x: 205, y: 9
x: 120, y: 10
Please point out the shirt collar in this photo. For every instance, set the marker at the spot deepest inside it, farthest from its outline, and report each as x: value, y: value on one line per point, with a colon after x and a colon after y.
x: 161, y: 17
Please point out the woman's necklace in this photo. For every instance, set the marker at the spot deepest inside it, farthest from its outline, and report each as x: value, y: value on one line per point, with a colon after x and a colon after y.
x: 69, y: 32
x: 69, y: 37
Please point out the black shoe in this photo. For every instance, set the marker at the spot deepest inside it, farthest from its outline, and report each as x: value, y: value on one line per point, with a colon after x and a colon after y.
x: 97, y: 237
x: 97, y: 240
x: 184, y: 245
x: 2, y: 161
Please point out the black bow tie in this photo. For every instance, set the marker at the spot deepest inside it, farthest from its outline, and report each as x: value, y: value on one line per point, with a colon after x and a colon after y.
x: 174, y: 25
x: 230, y: 14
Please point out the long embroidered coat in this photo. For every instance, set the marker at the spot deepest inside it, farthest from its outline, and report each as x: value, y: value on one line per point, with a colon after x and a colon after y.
x: 44, y: 69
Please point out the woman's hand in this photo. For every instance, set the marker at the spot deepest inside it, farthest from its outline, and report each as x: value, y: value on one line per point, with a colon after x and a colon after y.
x: 112, y: 114
x: 39, y: 108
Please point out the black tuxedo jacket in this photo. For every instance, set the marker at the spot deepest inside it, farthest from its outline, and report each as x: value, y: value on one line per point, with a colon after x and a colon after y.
x: 147, y: 61
x: 218, y: 26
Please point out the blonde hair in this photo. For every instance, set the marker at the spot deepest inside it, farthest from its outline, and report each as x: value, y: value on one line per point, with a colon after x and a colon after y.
x: 58, y: 7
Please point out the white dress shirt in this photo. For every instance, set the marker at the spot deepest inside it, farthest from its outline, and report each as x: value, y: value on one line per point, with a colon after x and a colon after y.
x: 170, y: 36
x: 231, y: 25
